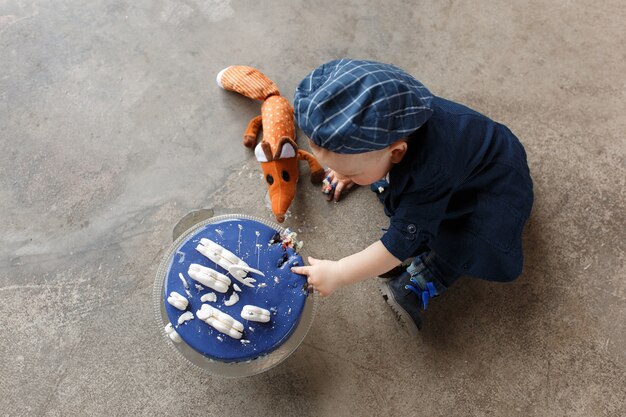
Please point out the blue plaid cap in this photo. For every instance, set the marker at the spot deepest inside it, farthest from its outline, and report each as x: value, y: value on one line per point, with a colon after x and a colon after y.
x: 348, y: 106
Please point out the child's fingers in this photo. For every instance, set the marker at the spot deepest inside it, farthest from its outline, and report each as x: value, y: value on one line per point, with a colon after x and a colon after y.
x: 339, y: 190
x: 330, y: 195
x: 332, y: 182
x: 330, y: 175
x: 302, y: 270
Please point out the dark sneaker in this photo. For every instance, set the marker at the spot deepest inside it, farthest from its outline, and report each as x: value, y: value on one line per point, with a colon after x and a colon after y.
x: 409, y: 294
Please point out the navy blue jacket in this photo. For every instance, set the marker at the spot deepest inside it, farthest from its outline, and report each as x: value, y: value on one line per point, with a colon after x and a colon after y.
x: 463, y: 189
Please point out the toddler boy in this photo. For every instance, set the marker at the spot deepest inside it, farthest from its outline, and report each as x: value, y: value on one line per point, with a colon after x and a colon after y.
x: 454, y: 183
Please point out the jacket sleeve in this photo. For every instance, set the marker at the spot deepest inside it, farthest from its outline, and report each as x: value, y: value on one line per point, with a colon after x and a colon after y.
x: 420, y: 210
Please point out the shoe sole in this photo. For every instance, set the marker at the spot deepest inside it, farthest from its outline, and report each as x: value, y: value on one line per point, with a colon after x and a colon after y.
x: 408, y: 322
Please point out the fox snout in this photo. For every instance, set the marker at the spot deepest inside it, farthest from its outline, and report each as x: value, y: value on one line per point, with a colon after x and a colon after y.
x: 281, y: 176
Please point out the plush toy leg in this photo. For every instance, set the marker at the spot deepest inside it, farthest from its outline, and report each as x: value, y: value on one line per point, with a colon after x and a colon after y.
x: 317, y: 172
x: 249, y: 138
x: 247, y: 81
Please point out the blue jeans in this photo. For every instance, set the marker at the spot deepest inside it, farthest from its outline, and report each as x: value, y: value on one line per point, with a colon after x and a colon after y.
x: 428, y: 267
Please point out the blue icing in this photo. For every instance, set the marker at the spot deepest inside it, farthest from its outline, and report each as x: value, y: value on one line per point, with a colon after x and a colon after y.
x: 283, y: 295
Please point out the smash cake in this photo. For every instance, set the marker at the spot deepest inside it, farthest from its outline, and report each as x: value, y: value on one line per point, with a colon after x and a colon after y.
x: 229, y: 292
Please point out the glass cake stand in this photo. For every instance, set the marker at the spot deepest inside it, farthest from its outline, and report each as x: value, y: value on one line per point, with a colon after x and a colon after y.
x: 212, y: 366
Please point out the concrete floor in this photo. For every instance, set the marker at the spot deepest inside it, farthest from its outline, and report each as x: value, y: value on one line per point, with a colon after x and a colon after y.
x: 112, y: 129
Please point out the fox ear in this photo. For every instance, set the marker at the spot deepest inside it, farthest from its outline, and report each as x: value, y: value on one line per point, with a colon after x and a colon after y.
x: 287, y: 148
x: 263, y: 152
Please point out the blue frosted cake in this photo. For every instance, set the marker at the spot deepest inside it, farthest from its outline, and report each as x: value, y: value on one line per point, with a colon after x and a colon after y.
x: 229, y: 291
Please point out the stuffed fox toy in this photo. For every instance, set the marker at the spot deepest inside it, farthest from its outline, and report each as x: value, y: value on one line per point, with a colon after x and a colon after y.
x: 277, y: 152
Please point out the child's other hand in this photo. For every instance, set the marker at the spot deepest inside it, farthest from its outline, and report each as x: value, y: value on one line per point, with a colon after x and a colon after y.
x: 341, y: 184
x: 324, y: 276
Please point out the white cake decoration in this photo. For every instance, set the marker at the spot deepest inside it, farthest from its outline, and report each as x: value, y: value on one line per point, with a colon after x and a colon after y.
x: 178, y: 301
x: 228, y: 260
x: 254, y: 313
x: 169, y: 330
x: 209, y: 297
x: 184, y: 281
x: 185, y: 317
x: 220, y: 321
x: 232, y: 300
x: 209, y: 277
x: 182, y: 278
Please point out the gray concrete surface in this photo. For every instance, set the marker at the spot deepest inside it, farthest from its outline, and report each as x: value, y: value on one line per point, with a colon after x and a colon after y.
x: 112, y: 129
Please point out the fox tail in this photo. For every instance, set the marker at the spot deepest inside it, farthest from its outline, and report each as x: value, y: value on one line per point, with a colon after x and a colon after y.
x: 247, y: 81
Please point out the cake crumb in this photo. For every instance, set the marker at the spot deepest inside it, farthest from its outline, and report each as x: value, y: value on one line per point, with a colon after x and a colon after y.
x: 287, y: 239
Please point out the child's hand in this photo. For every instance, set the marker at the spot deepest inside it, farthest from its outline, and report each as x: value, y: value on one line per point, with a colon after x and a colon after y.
x: 324, y: 276
x: 340, y: 184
